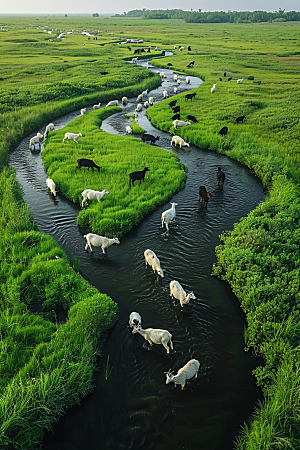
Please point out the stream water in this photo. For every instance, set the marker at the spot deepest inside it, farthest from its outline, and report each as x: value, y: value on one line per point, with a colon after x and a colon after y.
x: 135, y: 409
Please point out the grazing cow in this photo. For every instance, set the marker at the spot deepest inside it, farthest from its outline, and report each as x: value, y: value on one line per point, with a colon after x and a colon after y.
x: 176, y: 109
x: 220, y: 176
x: 149, y: 137
x: 176, y: 117
x: 83, y: 162
x: 140, y: 175
x: 240, y: 119
x: 192, y: 119
x: 191, y: 64
x: 223, y: 131
x: 220, y: 79
x: 190, y: 96
x: 172, y: 104
x: 224, y: 74
x: 170, y: 64
x: 189, y: 48
x: 103, y: 73
x: 203, y: 195
x: 229, y: 79
x: 180, y: 123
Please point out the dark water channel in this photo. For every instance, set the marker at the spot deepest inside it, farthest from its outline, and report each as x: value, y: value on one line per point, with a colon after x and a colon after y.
x: 135, y: 409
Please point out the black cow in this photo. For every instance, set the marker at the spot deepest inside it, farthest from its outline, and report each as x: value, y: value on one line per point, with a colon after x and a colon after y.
x: 191, y: 64
x: 176, y: 109
x: 149, y: 137
x: 192, y: 119
x: 103, y: 73
x: 220, y: 79
x: 189, y: 48
x: 169, y: 64
x: 83, y: 162
x: 229, y: 79
x: 223, y: 131
x: 203, y: 195
x: 190, y: 96
x: 220, y: 176
x: 172, y: 104
x: 163, y: 53
x: 240, y: 119
x: 134, y: 176
x: 176, y: 117
x: 224, y: 74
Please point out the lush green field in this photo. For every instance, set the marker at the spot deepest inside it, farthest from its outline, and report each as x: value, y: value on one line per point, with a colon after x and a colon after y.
x: 118, y: 156
x: 259, y: 258
x: 52, y: 78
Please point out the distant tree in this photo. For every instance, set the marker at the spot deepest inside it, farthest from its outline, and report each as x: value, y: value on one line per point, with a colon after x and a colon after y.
x: 215, y: 16
x: 95, y: 15
x: 66, y: 15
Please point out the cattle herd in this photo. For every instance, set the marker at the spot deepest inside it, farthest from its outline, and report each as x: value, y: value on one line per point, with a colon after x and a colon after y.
x: 153, y: 336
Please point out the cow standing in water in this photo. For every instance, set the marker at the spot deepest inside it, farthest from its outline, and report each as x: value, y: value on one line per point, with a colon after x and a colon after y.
x: 220, y: 177
x: 203, y: 195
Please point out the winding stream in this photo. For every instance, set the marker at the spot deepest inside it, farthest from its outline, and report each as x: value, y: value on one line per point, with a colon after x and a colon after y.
x: 135, y: 409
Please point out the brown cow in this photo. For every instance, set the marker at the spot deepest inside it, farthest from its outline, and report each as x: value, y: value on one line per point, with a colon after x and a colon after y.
x: 203, y: 195
x: 220, y: 176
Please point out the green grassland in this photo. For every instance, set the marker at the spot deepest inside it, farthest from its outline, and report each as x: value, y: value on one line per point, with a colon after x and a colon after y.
x: 117, y: 156
x: 41, y: 80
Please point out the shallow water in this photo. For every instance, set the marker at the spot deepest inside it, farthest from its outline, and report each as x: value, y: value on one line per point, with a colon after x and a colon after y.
x: 135, y: 409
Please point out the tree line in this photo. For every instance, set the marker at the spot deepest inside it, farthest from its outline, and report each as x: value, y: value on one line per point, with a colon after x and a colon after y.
x: 215, y: 16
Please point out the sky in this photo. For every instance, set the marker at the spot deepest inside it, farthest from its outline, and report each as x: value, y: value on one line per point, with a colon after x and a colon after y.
x: 119, y: 6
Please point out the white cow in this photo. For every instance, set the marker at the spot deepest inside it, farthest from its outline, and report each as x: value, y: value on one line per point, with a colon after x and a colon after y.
x: 177, y: 140
x: 155, y: 336
x: 51, y: 185
x: 168, y: 215
x: 99, y: 241
x: 153, y: 261
x: 186, y: 372
x: 177, y: 291
x: 89, y: 194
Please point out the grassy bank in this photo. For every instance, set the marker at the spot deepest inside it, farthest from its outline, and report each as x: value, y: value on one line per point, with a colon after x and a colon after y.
x: 46, y: 365
x: 118, y: 156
